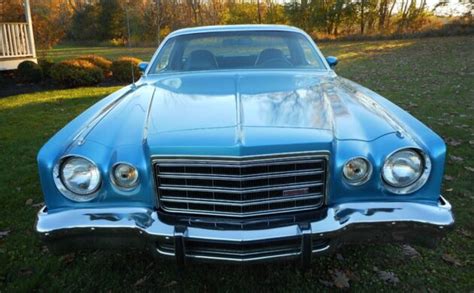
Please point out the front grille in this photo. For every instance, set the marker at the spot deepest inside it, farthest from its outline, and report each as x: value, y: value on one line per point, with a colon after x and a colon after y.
x: 243, y: 251
x: 241, y: 187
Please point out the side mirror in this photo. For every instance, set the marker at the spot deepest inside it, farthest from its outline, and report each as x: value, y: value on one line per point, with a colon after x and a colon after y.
x: 142, y: 66
x: 332, y: 61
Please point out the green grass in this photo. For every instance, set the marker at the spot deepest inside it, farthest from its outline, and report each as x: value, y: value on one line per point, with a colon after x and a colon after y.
x: 431, y: 78
x: 62, y: 52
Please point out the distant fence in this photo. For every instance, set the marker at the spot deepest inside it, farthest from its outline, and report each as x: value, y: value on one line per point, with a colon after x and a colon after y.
x: 14, y: 40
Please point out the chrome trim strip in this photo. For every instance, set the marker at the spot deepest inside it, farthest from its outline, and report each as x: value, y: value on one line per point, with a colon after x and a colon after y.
x: 239, y: 178
x: 322, y: 249
x: 234, y: 253
x: 243, y: 215
x: 233, y: 164
x: 242, y: 158
x: 242, y: 203
x: 164, y: 252
x: 260, y: 258
x: 192, y: 188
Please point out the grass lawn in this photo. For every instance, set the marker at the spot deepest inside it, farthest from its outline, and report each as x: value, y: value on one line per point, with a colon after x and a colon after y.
x: 62, y: 52
x: 431, y: 78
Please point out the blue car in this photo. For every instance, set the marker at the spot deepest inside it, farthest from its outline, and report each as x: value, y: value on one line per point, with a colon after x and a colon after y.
x: 241, y: 144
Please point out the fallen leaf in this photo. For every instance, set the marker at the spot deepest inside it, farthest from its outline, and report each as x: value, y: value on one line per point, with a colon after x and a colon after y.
x: 340, y: 279
x: 4, y: 233
x: 141, y: 281
x: 68, y: 258
x: 451, y: 259
x: 449, y: 189
x: 352, y: 276
x: 409, y: 251
x: 339, y: 257
x: 25, y: 271
x: 448, y: 178
x: 464, y: 232
x: 471, y: 169
x: 412, y: 105
x: 37, y: 205
x: 452, y: 141
x: 29, y: 202
x: 471, y: 142
x: 456, y: 158
x: 172, y: 283
x: 326, y: 283
x: 388, y: 277
x: 44, y: 249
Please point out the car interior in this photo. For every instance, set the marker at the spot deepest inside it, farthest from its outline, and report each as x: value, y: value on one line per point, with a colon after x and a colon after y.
x: 206, y: 60
x: 194, y: 53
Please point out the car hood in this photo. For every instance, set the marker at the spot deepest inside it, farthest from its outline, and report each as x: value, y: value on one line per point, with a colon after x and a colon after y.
x: 228, y: 112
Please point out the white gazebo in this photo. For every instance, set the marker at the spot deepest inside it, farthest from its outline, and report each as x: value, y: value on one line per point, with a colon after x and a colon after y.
x: 17, y: 42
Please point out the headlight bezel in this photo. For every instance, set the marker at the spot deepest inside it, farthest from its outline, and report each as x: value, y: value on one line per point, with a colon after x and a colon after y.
x: 68, y: 193
x: 365, y: 178
x: 418, y: 183
x: 115, y: 181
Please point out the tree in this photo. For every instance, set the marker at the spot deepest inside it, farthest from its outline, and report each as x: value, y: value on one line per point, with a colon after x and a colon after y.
x: 85, y: 24
x: 112, y: 20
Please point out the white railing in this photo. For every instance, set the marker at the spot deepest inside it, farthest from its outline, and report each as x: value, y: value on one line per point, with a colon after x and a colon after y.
x: 14, y: 40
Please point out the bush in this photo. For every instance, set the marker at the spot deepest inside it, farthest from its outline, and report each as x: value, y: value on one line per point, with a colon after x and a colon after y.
x: 76, y: 73
x: 29, y: 71
x: 100, y: 61
x: 121, y: 69
x: 46, y: 65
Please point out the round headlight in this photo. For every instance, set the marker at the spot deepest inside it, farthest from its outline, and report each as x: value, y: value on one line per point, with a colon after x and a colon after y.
x: 403, y: 168
x: 357, y: 171
x: 81, y: 177
x: 125, y: 175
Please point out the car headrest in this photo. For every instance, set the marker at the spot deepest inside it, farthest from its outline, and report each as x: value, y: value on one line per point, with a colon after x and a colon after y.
x: 201, y: 60
x: 268, y: 54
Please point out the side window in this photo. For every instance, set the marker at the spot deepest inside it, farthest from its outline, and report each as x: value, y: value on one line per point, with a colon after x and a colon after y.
x: 165, y: 56
x: 309, y: 54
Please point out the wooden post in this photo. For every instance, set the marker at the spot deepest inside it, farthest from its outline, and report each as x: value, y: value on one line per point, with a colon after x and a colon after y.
x: 31, y: 38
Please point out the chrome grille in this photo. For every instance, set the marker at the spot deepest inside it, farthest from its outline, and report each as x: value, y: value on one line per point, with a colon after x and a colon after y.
x: 241, y: 187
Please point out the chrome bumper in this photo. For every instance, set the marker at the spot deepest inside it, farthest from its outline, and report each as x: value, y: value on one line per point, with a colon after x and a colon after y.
x: 346, y: 223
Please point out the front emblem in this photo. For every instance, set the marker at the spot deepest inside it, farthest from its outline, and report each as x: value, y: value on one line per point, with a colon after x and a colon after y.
x: 296, y: 192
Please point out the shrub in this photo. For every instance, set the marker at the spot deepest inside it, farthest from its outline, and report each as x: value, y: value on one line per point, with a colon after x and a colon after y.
x: 100, y: 61
x: 76, y: 73
x: 29, y: 71
x: 121, y: 69
x: 46, y: 65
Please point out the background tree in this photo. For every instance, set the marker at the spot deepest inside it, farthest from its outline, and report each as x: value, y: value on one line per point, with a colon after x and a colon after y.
x: 151, y: 20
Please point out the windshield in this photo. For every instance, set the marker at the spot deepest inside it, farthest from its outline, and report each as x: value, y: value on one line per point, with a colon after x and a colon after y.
x: 237, y: 50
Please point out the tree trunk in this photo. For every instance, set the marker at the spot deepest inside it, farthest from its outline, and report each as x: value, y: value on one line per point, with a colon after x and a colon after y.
x: 158, y: 16
x: 258, y: 11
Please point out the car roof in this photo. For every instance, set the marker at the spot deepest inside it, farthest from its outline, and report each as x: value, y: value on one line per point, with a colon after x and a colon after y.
x: 237, y: 27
